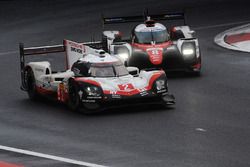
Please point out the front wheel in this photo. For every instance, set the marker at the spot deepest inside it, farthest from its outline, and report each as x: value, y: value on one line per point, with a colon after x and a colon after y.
x: 74, y: 98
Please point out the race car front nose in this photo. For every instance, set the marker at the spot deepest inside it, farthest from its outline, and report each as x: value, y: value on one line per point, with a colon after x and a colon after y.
x: 140, y: 60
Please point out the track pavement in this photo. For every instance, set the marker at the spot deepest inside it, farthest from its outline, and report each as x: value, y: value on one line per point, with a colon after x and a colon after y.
x: 209, y: 125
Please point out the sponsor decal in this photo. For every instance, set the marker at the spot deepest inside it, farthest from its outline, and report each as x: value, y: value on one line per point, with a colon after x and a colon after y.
x: 154, y: 51
x: 60, y: 92
x: 115, y: 96
x: 155, y: 55
x: 75, y: 45
x: 76, y: 50
x: 113, y: 92
x: 88, y: 101
x: 94, y: 97
x: 127, y: 86
x: 144, y: 93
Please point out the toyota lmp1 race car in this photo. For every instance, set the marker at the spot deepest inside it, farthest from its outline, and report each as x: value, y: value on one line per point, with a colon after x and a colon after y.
x: 153, y: 45
x: 93, y: 80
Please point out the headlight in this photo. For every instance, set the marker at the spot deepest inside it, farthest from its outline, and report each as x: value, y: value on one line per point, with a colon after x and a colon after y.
x: 92, y: 91
x: 124, y: 56
x: 122, y: 52
x: 160, y: 84
x: 188, y: 50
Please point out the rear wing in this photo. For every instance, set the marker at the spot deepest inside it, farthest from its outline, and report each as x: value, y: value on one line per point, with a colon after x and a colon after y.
x: 72, y: 50
x: 34, y: 51
x: 141, y: 18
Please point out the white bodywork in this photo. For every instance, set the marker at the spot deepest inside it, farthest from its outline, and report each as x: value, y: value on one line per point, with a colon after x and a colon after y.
x: 126, y: 83
x: 188, y: 33
x: 46, y: 80
x: 180, y: 42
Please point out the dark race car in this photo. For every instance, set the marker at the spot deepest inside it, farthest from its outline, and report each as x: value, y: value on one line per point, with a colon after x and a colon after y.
x: 152, y: 45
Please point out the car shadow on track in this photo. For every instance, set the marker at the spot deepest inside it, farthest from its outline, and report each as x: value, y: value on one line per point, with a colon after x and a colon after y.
x: 183, y: 75
x: 49, y: 106
x: 133, y: 110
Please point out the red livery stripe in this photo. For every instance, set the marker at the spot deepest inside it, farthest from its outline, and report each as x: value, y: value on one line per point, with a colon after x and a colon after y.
x: 88, y: 81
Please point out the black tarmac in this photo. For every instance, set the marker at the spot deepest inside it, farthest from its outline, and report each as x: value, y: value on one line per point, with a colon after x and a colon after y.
x: 208, y: 127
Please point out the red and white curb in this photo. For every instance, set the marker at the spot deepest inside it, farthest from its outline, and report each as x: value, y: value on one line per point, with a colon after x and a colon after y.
x: 237, y: 38
x: 5, y: 164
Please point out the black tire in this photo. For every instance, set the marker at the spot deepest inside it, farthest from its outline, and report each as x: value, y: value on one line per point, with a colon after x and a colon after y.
x: 74, y: 101
x: 31, y: 85
x: 74, y: 98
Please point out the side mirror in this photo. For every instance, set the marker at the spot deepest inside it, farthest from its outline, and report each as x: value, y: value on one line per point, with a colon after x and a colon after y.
x: 133, y: 71
x: 192, y: 32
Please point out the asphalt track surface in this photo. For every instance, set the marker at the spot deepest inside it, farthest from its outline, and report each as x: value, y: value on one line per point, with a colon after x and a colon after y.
x: 208, y: 127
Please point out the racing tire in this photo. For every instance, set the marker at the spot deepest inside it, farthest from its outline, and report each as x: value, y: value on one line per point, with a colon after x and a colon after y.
x: 31, y: 85
x: 74, y: 98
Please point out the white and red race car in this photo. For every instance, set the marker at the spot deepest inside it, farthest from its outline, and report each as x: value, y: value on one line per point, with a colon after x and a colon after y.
x: 93, y: 80
x: 153, y: 45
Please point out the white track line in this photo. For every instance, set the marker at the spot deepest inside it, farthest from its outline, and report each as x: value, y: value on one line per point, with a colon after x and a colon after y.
x: 195, y: 28
x: 47, y: 156
x: 7, y: 53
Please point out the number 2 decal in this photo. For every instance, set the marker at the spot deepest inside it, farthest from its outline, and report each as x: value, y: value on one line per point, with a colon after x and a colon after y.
x: 126, y: 86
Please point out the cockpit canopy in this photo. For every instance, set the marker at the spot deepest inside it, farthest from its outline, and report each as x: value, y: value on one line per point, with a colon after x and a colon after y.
x: 86, y: 69
x: 144, y: 34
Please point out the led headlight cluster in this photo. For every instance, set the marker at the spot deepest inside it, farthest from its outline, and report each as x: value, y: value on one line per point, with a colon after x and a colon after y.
x: 122, y: 52
x: 123, y: 55
x: 160, y: 84
x: 92, y: 91
x: 188, y: 50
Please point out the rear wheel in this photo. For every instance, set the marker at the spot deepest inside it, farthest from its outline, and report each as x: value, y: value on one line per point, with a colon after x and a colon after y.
x: 31, y: 85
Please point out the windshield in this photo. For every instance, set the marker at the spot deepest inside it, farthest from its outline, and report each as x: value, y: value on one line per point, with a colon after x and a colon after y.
x: 151, y: 36
x: 108, y: 71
